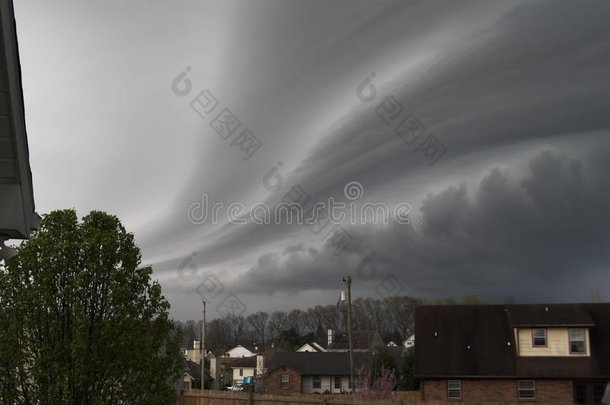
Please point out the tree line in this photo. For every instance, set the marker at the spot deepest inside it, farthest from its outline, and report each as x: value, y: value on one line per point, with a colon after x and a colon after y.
x: 392, y: 317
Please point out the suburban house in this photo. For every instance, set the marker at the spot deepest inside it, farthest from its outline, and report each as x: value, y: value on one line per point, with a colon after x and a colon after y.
x: 410, y: 342
x: 191, y: 376
x: 555, y: 353
x: 312, y: 372
x: 311, y: 347
x: 242, y: 367
x: 239, y: 351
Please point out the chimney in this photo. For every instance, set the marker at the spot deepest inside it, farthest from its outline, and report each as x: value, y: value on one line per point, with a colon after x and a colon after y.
x: 196, y: 345
x: 260, y: 364
x: 331, y: 334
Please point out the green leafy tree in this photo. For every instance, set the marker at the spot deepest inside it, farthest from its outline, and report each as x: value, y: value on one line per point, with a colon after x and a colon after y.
x: 81, y: 322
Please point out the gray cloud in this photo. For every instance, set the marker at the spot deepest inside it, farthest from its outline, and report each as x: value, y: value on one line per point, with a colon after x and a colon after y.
x: 516, y: 91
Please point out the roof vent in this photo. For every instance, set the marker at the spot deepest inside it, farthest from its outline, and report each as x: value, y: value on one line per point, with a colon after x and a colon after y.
x: 435, y: 334
x: 468, y: 347
x: 546, y: 309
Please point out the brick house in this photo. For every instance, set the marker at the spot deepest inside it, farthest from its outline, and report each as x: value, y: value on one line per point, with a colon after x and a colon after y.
x: 312, y: 372
x: 555, y: 353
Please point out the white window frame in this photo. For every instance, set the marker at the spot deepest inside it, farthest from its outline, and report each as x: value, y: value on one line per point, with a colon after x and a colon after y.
x: 534, y: 337
x: 318, y: 379
x: 337, y: 379
x: 584, y: 341
x: 285, y: 385
x: 527, y: 388
x: 454, y: 389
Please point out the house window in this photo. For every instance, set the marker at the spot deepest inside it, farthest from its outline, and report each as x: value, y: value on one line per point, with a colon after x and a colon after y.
x: 317, y: 381
x: 577, y: 341
x: 338, y: 383
x: 539, y: 337
x: 241, y: 372
x: 186, y: 385
x: 454, y: 389
x: 589, y: 392
x: 526, y: 389
x: 285, y: 381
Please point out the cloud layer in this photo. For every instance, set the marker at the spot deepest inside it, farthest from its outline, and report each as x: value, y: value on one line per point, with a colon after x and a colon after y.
x: 516, y: 93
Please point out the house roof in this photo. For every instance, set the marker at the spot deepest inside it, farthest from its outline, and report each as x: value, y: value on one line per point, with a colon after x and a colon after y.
x: 242, y: 362
x: 549, y: 315
x: 478, y: 341
x: 316, y: 363
x: 194, y: 370
x: 17, y: 215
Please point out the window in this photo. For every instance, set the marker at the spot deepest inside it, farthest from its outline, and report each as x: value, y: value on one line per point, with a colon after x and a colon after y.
x: 577, y: 341
x: 526, y: 389
x: 285, y: 381
x: 539, y: 337
x: 589, y: 392
x: 186, y: 385
x: 241, y: 372
x: 338, y: 383
x: 317, y: 381
x: 454, y: 389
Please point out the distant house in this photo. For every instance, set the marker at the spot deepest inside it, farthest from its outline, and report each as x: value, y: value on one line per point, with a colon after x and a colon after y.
x: 242, y: 367
x: 192, y: 376
x: 311, y: 347
x: 410, y: 342
x: 312, y: 372
x: 556, y: 353
x: 239, y: 351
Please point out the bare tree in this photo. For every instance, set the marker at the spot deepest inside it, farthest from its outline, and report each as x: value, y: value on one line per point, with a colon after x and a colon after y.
x: 258, y: 324
x: 278, y: 322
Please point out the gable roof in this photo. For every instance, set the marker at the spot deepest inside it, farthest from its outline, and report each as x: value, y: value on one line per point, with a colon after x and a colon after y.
x: 318, y: 363
x: 478, y: 341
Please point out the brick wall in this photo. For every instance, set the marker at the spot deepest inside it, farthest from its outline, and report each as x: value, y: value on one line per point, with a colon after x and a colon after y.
x: 274, y: 381
x: 557, y: 392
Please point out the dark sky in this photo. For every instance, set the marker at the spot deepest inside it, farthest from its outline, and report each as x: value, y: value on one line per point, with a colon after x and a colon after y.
x: 505, y: 162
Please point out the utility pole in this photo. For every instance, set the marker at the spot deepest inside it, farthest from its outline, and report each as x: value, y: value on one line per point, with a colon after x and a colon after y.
x: 202, y: 348
x: 348, y: 282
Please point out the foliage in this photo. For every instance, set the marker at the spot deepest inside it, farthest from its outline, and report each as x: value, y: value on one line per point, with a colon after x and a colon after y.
x: 369, y: 387
x: 380, y: 361
x: 408, y: 381
x: 81, y: 322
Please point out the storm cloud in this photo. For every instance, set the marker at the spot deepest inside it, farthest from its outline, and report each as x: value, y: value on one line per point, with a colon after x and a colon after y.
x: 513, y: 204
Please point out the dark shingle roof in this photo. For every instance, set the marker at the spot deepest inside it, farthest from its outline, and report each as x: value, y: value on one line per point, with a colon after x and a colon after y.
x: 242, y: 362
x: 549, y: 315
x: 324, y: 363
x: 445, y: 333
x: 463, y: 340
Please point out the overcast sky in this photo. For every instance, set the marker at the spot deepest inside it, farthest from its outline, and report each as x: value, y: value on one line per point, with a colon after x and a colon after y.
x: 503, y: 151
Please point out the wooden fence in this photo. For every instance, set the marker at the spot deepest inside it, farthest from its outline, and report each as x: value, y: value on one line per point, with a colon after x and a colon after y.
x: 196, y: 397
